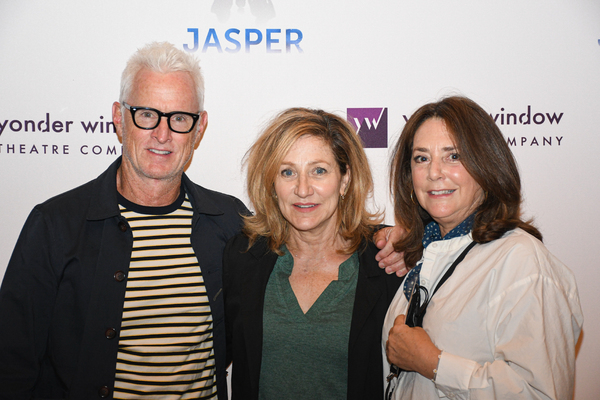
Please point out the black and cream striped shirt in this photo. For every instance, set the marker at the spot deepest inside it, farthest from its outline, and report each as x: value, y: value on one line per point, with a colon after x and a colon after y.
x: 166, y: 340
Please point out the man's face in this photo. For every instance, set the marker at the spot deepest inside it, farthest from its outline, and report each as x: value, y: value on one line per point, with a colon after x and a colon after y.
x: 158, y: 155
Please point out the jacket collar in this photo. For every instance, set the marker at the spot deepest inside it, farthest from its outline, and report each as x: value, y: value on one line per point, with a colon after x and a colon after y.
x: 260, y: 248
x: 104, y: 203
x: 199, y: 198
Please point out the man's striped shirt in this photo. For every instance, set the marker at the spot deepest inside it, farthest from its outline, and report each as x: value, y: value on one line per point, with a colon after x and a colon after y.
x: 166, y: 338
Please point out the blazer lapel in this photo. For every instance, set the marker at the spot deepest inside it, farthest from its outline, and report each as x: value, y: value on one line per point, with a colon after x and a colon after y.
x: 254, y: 298
x: 368, y: 292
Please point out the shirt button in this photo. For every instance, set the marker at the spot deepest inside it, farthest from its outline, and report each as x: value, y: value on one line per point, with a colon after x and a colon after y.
x: 119, y: 276
x: 104, y: 391
x: 434, y: 245
x: 110, y: 333
x: 123, y: 226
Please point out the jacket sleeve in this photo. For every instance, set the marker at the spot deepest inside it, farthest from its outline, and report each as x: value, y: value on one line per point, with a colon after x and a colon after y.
x: 27, y: 297
x: 533, y: 326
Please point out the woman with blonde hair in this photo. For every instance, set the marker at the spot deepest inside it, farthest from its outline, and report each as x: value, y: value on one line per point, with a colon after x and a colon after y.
x: 304, y: 296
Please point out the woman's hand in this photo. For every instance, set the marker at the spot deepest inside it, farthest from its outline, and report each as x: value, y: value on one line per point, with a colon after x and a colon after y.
x: 411, y: 349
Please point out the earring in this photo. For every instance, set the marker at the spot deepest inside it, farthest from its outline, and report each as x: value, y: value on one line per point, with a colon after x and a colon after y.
x: 411, y: 196
x: 343, y: 195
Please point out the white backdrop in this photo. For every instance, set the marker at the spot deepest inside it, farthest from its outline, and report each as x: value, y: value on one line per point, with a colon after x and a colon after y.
x: 538, y: 60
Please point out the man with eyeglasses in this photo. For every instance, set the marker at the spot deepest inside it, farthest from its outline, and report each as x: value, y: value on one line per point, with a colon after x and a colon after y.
x: 114, y: 288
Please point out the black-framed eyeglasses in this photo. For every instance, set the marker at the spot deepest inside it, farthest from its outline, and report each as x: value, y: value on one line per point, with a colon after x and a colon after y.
x: 149, y: 118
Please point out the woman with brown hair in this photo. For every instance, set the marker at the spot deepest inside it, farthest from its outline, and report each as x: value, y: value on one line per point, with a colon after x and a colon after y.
x: 304, y: 296
x: 487, y: 312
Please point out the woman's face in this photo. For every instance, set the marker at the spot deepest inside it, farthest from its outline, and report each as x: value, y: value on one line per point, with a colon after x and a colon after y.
x: 442, y: 185
x: 308, y: 186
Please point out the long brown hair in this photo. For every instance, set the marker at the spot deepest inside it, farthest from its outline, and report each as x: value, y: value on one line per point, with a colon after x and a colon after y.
x: 485, y: 155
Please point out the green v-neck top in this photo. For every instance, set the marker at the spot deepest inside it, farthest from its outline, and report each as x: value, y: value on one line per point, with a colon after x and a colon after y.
x: 305, y: 356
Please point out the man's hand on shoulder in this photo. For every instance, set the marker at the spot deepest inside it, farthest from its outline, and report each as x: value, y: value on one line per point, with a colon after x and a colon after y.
x: 389, y: 259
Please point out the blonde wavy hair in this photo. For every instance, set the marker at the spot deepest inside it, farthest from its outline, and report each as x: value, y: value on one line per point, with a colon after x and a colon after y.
x: 264, y: 159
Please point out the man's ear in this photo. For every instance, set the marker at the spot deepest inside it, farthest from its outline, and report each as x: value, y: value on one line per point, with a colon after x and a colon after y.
x: 117, y: 118
x: 202, y: 125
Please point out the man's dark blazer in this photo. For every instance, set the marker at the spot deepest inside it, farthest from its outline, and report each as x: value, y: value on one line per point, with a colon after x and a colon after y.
x: 245, y: 277
x: 61, y: 300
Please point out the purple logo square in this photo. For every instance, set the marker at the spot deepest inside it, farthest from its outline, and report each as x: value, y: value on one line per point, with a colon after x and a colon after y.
x: 371, y: 124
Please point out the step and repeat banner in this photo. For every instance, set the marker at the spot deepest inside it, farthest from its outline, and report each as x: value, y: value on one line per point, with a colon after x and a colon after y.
x: 533, y: 65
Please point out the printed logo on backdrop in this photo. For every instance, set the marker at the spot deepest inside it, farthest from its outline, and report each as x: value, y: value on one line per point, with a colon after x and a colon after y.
x: 254, y: 39
x: 371, y: 124
x: 47, y: 135
x: 262, y: 10
x: 529, y: 117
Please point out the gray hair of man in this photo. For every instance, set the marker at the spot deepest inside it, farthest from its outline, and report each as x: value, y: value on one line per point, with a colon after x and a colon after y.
x: 161, y: 57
